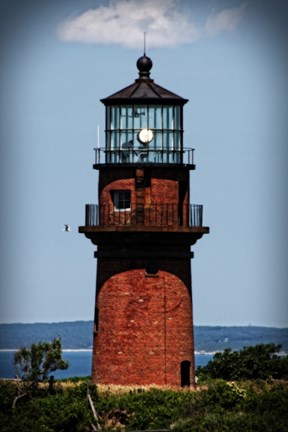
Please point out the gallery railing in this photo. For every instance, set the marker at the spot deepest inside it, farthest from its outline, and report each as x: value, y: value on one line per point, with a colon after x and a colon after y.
x: 144, y: 155
x: 153, y: 215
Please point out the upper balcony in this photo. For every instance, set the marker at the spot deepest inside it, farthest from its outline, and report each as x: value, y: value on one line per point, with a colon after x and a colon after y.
x: 143, y: 155
x: 145, y: 228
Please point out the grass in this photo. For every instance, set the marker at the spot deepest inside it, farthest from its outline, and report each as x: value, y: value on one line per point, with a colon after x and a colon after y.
x: 217, y: 406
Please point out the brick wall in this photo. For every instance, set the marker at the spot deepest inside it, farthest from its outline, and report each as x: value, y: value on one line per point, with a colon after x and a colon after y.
x: 144, y: 329
x: 143, y: 323
x: 157, y: 200
x: 160, y: 191
x: 164, y: 191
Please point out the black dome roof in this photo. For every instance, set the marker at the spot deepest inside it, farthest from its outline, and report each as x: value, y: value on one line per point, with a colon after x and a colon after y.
x: 144, y: 90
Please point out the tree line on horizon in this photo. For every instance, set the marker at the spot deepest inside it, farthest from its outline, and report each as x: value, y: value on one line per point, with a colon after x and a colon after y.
x: 78, y: 335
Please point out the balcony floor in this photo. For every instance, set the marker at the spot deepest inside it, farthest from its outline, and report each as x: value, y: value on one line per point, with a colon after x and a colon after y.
x: 144, y: 228
x: 164, y: 239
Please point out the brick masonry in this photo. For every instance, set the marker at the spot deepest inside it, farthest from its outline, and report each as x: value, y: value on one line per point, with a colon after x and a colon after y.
x: 143, y: 322
x: 168, y: 188
x: 143, y: 329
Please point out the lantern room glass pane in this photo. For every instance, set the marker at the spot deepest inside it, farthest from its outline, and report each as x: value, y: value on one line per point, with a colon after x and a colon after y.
x: 158, y: 117
x: 115, y: 118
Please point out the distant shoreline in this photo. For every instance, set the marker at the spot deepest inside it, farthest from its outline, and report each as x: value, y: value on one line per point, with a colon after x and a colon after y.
x: 91, y: 350
x: 76, y: 350
x: 90, y: 322
x: 78, y: 336
x: 63, y: 350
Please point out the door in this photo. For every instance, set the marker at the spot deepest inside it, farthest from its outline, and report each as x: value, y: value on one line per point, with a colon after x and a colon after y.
x: 185, y: 373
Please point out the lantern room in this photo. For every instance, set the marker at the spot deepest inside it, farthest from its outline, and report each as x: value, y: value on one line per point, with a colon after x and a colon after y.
x: 144, y: 124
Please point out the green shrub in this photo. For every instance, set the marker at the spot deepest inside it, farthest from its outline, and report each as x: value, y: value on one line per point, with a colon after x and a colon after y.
x: 238, y: 407
x: 66, y: 410
x: 218, y: 407
x: 255, y: 362
x: 37, y: 362
x: 152, y: 409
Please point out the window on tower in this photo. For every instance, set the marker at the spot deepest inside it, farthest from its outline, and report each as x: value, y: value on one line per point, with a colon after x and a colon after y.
x: 121, y: 199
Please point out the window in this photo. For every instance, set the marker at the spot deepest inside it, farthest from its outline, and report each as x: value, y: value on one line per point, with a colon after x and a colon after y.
x: 121, y: 199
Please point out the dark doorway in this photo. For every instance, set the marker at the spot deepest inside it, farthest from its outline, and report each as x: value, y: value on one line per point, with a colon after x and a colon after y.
x: 185, y: 373
x: 151, y: 267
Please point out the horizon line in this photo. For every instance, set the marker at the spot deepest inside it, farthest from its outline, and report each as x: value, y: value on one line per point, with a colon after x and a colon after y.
x: 195, y: 325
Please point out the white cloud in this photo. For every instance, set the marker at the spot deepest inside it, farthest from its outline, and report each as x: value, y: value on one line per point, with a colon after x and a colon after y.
x: 227, y: 19
x: 123, y: 22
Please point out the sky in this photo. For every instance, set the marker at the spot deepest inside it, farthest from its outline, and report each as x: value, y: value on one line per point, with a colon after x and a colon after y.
x: 229, y: 58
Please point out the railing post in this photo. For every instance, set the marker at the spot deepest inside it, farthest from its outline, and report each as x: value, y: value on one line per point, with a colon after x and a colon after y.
x: 97, y: 155
x: 91, y: 215
x: 196, y: 215
x: 87, y: 215
x: 201, y: 215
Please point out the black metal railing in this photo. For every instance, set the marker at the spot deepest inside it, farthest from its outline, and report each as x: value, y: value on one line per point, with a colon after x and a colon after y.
x: 153, y: 215
x: 144, y: 155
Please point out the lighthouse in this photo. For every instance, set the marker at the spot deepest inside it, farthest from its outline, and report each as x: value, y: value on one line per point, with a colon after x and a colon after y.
x: 144, y: 226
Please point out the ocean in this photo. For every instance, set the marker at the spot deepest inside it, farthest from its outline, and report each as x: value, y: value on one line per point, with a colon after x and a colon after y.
x: 80, y: 362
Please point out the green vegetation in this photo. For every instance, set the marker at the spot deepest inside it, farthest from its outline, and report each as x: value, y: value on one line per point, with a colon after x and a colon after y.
x: 36, y: 363
x: 257, y: 404
x: 219, y: 406
x: 254, y: 362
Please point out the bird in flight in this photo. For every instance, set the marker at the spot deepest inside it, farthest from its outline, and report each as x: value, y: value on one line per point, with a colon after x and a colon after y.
x: 66, y: 228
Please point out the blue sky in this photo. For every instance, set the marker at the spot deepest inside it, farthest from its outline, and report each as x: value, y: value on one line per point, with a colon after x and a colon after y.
x: 229, y: 58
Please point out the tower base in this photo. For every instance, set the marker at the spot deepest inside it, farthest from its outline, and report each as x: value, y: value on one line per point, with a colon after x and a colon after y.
x: 143, y: 330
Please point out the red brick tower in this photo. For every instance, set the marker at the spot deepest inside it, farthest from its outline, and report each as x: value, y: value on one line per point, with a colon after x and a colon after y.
x: 144, y: 227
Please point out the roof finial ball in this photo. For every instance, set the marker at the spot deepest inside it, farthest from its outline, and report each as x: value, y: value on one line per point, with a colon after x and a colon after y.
x: 144, y: 65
